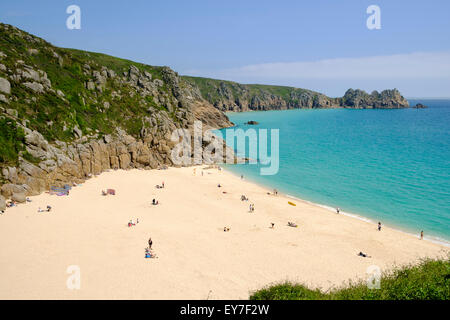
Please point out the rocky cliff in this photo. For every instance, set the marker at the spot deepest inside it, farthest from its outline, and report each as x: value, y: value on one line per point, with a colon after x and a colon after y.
x: 386, y: 99
x: 232, y: 96
x: 68, y: 114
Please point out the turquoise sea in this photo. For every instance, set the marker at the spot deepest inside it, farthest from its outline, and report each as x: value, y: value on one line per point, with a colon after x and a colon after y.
x: 391, y: 166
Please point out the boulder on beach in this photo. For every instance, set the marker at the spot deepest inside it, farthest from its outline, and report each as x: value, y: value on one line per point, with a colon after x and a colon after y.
x: 19, y: 197
x: 2, y: 203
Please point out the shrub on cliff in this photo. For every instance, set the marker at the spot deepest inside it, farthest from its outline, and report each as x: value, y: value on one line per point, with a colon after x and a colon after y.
x: 428, y: 280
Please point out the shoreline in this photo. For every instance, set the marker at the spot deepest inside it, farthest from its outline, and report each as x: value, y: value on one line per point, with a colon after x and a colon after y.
x: 433, y: 239
x: 196, y: 259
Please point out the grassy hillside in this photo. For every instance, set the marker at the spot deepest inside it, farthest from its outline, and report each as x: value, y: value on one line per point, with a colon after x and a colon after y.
x: 229, y: 95
x: 232, y: 96
x: 429, y: 280
x: 237, y: 89
x: 64, y: 93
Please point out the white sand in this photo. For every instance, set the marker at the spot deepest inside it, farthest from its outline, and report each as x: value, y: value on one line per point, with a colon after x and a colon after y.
x: 197, y: 259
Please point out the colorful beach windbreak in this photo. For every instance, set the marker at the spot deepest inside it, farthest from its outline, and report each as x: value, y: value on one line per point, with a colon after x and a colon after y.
x: 391, y: 166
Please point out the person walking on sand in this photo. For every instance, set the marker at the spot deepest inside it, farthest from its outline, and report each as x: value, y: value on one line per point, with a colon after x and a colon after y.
x: 150, y: 242
x: 379, y: 226
x: 421, y: 235
x: 163, y: 184
x: 338, y: 210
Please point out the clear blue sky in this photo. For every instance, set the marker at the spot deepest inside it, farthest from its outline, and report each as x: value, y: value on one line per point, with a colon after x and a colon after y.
x: 283, y: 41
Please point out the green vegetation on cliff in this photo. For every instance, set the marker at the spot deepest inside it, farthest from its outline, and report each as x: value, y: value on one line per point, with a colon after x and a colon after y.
x: 56, y: 115
x: 233, y: 96
x: 66, y: 94
x: 429, y: 280
x: 11, y: 141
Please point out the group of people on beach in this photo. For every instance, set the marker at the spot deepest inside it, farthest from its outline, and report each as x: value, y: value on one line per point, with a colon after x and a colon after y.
x: 149, y: 251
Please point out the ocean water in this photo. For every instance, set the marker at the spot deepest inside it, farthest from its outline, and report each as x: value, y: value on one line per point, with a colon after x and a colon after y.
x: 391, y: 166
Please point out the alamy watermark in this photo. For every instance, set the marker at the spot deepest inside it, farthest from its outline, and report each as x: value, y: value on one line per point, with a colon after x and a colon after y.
x: 74, y: 20
x: 191, y: 150
x: 374, y: 277
x: 74, y: 280
x: 374, y: 20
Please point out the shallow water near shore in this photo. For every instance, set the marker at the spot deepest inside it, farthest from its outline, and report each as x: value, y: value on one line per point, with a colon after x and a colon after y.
x: 391, y: 166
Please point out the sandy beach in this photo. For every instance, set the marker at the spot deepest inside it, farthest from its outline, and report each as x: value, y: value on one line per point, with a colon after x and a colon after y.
x: 196, y: 258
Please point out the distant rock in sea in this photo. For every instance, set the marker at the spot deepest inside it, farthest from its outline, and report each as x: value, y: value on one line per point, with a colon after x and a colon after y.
x: 420, y: 106
x: 251, y: 122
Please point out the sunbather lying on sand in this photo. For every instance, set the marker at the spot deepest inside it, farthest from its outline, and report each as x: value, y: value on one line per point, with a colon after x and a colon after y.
x: 226, y: 229
x: 291, y: 224
x: 363, y: 255
x: 155, y: 202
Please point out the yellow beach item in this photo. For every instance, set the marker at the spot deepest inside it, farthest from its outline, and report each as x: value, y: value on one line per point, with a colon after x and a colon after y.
x: 291, y: 203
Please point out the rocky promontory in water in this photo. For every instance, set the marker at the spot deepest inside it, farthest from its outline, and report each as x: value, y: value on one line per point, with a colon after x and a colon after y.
x: 233, y: 96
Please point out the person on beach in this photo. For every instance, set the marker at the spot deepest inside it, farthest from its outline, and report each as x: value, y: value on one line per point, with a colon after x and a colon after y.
x: 49, y: 208
x: 219, y: 186
x: 338, y: 210
x: 163, y: 184
x: 379, y: 226
x: 242, y: 177
x: 272, y: 225
x: 291, y: 224
x: 150, y: 242
x: 154, y: 202
x: 421, y: 235
x: 363, y: 255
